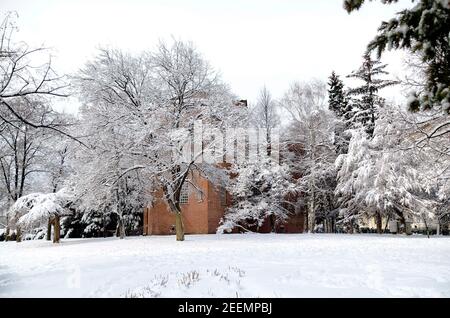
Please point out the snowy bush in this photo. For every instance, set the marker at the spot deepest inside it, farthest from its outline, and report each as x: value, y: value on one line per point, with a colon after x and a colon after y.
x: 35, y: 209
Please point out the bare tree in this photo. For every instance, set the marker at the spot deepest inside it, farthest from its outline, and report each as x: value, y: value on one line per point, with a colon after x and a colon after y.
x: 192, y: 90
x: 312, y: 129
x: 23, y: 76
x: 265, y: 115
x: 430, y: 128
x: 21, y: 151
x: 145, y: 101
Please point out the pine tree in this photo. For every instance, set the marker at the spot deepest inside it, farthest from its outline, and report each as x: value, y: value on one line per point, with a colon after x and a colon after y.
x: 338, y: 103
x: 365, y: 107
x: 337, y: 100
x: 422, y: 29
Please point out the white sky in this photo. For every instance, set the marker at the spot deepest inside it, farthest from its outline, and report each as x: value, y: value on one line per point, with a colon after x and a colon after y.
x: 251, y: 42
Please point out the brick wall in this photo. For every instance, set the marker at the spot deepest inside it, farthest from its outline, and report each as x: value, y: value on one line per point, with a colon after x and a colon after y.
x: 202, y: 213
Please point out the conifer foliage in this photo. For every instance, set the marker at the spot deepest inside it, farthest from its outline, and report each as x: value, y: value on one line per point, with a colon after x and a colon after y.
x: 338, y: 103
x: 422, y: 29
x: 337, y: 99
x: 367, y: 99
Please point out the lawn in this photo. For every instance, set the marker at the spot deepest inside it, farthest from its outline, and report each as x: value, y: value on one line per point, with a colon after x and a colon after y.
x: 250, y: 265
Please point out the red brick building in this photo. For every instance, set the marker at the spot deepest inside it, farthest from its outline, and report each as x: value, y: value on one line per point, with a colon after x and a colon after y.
x: 201, y: 208
x: 202, y: 212
x: 204, y: 205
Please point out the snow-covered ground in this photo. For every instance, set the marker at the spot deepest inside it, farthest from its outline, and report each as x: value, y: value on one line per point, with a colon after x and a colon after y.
x: 253, y: 265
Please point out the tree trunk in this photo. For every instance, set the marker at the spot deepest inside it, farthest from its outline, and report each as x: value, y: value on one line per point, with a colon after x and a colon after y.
x: 120, y: 232
x: 18, y: 235
x: 179, y: 227
x: 312, y: 210
x: 104, y: 226
x: 387, y: 223
x: 426, y: 226
x: 174, y: 203
x: 379, y: 221
x: 49, y: 230
x: 312, y: 216
x: 351, y: 227
x: 272, y: 223
x: 312, y: 213
x: 408, y: 229
x: 305, y: 221
x: 7, y: 234
x: 56, y: 229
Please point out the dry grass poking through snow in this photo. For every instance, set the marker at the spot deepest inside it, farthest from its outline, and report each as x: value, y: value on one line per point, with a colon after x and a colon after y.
x: 213, y: 283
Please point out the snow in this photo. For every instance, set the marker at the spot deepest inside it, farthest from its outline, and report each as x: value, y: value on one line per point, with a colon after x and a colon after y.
x: 235, y: 265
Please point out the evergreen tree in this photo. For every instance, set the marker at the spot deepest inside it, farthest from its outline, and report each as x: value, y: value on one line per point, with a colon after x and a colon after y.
x: 422, y: 29
x: 337, y: 101
x: 383, y: 177
x: 339, y: 104
x: 365, y: 107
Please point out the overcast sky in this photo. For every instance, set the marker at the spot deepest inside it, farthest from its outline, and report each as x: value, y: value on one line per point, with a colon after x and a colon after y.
x: 251, y: 42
